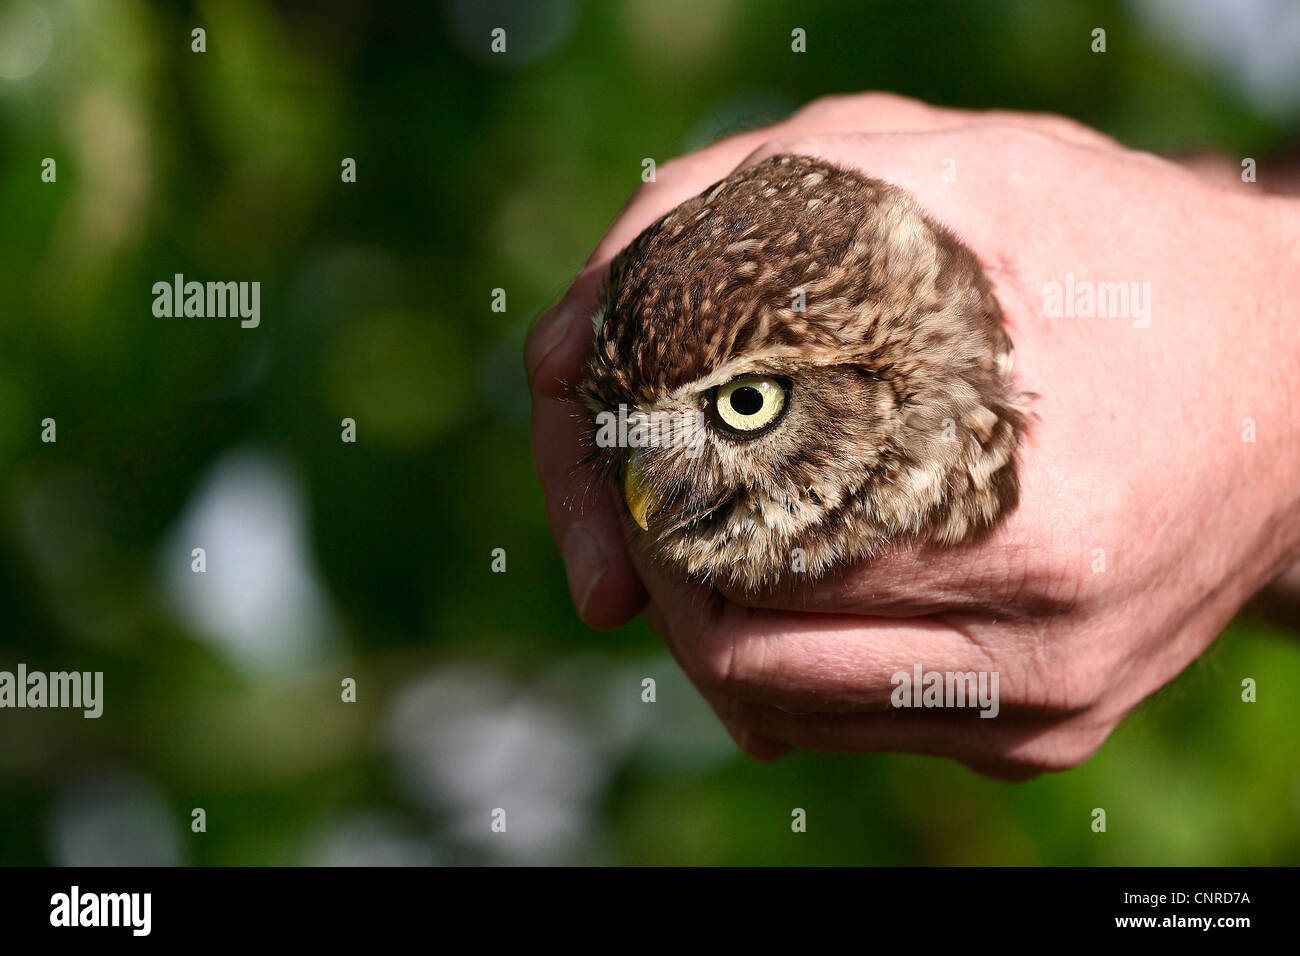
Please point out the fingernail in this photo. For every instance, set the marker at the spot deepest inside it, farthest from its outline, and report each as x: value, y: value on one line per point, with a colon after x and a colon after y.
x: 554, y: 332
x: 584, y: 562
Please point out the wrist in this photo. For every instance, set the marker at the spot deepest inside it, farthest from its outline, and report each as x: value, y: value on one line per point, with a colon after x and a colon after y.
x: 1276, y: 223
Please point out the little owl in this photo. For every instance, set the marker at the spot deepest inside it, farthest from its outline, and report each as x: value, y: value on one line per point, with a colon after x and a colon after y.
x: 834, y: 367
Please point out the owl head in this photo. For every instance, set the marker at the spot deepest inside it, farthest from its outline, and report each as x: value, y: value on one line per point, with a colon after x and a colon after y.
x: 796, y: 368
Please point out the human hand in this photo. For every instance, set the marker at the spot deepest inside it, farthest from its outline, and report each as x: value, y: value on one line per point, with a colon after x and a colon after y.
x: 1145, y: 519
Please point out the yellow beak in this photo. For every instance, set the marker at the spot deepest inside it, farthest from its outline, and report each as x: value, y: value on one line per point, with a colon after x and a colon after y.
x: 637, y: 494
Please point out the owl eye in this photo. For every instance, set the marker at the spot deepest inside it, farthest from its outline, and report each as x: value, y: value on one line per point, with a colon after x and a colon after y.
x: 749, y: 404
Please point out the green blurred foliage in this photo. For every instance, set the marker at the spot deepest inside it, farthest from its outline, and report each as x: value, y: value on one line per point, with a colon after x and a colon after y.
x: 474, y: 174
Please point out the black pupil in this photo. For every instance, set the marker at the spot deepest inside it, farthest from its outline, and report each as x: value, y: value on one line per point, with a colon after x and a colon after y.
x: 747, y: 400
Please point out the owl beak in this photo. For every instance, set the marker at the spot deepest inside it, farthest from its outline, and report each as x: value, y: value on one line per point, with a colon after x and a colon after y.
x: 637, y: 494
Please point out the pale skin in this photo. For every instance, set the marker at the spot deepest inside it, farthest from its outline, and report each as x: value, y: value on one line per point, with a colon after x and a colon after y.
x: 1145, y: 521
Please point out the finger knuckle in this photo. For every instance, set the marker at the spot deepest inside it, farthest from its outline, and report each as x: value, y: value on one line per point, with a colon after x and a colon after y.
x: 716, y: 668
x: 1067, y: 127
x: 833, y: 103
x: 1057, y: 751
x: 826, y: 103
x: 729, y: 667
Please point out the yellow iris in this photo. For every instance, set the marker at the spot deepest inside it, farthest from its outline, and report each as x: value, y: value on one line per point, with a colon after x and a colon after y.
x: 750, y: 402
